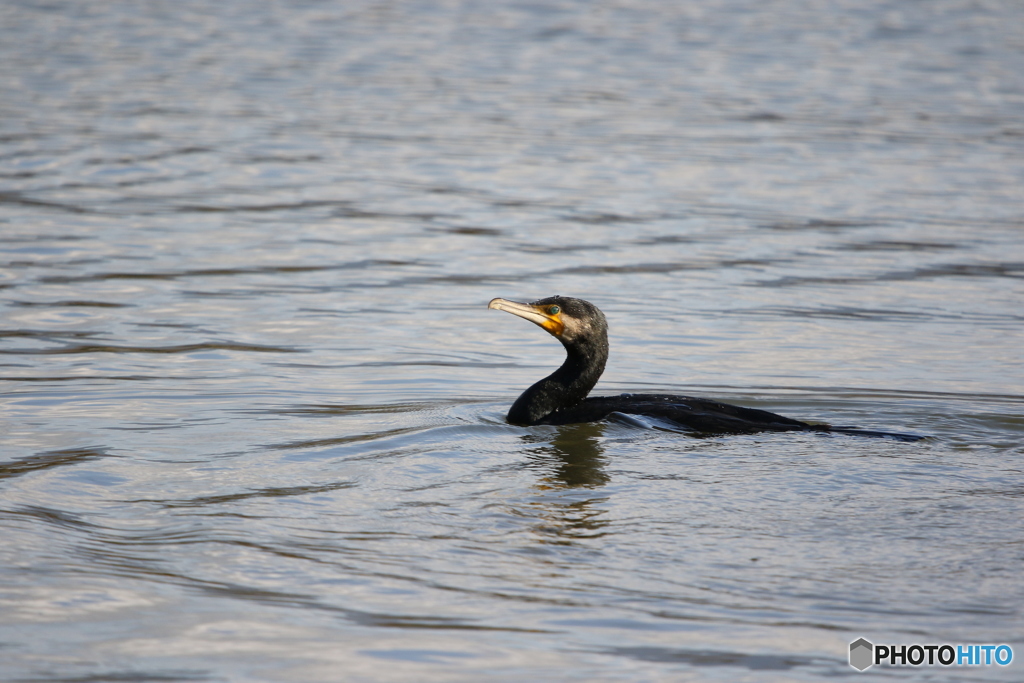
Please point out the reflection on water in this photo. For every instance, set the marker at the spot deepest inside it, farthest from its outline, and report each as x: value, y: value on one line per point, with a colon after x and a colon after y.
x: 253, y: 407
x: 572, y: 453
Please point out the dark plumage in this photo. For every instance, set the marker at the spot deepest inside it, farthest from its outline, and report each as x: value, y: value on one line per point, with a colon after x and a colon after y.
x: 561, y: 397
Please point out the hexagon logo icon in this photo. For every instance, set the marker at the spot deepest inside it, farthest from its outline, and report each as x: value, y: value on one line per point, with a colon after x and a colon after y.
x: 862, y: 654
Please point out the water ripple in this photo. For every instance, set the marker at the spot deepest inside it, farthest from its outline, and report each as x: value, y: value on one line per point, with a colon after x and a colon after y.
x: 50, y: 459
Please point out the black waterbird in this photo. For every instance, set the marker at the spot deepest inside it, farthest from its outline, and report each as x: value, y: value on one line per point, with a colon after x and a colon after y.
x: 561, y: 397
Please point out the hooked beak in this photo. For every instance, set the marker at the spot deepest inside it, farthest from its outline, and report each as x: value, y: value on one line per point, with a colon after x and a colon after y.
x: 535, y: 314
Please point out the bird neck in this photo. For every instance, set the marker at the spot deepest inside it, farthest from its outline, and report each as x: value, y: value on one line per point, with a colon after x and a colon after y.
x: 565, y: 387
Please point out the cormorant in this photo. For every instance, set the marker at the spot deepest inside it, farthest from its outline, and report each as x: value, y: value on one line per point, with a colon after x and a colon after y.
x: 561, y: 397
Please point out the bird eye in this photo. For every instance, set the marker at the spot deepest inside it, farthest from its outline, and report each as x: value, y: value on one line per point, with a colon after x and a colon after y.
x: 554, y: 310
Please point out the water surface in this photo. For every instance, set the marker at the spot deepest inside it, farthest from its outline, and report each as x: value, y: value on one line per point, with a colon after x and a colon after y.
x: 253, y: 403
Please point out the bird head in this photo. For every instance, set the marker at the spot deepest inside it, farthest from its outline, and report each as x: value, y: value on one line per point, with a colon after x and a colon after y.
x: 571, y: 321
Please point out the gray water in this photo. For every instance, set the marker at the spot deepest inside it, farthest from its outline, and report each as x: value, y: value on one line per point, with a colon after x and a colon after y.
x: 253, y: 402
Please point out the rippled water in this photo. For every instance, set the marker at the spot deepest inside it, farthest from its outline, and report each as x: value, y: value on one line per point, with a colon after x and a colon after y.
x: 253, y: 403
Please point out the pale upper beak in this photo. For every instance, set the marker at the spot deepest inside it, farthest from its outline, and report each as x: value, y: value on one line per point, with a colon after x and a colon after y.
x: 535, y: 314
